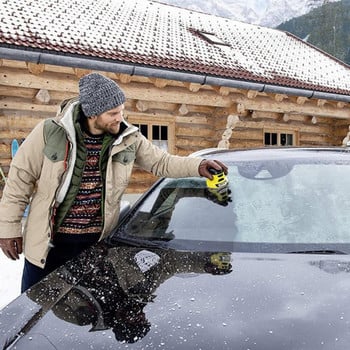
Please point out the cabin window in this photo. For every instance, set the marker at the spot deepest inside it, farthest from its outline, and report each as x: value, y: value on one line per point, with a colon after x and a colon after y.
x: 279, y: 138
x: 158, y: 134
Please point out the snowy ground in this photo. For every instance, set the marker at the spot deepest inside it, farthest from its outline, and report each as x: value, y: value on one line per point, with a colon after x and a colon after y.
x: 10, y: 279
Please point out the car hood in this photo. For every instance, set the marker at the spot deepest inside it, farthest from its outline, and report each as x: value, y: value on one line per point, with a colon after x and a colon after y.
x: 138, y: 298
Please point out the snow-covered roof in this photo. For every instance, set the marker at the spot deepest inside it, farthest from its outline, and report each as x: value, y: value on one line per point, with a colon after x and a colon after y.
x: 152, y: 34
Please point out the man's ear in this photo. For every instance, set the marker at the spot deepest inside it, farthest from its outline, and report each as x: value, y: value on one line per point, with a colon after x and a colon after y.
x: 90, y: 121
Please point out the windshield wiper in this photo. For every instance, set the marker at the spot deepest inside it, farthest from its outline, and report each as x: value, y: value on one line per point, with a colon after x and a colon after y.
x: 137, y: 242
x: 320, y: 251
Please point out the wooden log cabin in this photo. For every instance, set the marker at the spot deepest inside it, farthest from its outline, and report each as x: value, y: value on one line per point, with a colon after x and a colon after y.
x: 192, y: 80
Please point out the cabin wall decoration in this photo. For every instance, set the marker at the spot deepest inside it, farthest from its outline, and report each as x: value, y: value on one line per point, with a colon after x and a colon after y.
x: 192, y: 80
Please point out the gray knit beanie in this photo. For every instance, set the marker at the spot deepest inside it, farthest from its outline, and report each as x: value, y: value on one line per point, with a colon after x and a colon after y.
x: 98, y: 94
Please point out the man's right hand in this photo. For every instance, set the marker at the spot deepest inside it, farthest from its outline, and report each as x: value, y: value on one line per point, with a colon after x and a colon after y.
x: 12, y: 247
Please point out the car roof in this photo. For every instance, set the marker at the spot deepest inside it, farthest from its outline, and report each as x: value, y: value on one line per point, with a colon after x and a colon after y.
x: 270, y: 151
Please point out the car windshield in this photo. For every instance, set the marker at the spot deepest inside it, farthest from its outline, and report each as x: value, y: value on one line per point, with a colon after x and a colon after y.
x: 295, y: 200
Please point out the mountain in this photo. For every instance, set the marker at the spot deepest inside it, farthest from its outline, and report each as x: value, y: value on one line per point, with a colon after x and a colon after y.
x: 326, y: 27
x: 268, y: 13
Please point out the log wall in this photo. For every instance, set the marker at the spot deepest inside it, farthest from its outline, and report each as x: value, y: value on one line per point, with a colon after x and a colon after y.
x: 198, y: 114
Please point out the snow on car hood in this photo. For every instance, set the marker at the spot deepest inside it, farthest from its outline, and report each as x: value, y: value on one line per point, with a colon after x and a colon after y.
x: 137, y: 299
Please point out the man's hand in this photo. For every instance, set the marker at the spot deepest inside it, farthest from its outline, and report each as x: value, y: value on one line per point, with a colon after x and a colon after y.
x: 12, y: 247
x: 206, y: 164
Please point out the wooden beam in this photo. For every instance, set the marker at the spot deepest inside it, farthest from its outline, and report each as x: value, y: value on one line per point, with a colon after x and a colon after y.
x: 43, y: 96
x: 193, y: 141
x: 35, y: 68
x: 248, y: 125
x: 19, y: 104
x: 280, y: 97
x: 321, y: 103
x: 46, y: 80
x: 224, y: 143
x: 159, y: 83
x: 169, y: 108
x: 69, y: 83
x: 301, y: 100
x: 254, y: 115
x: 30, y: 93
x: 191, y: 120
x: 194, y: 130
x: 312, y: 139
x: 227, y: 134
x: 14, y: 133
x: 241, y: 109
x: 193, y: 87
x: 232, y: 121
x: 48, y: 67
x: 142, y: 106
x: 268, y: 105
x: 224, y: 91
x: 252, y: 94
x: 18, y: 123
x: 285, y: 117
x: 17, y: 91
x: 124, y: 78
x: 176, y: 95
x: 183, y: 110
x: 79, y: 72
x: 346, y: 139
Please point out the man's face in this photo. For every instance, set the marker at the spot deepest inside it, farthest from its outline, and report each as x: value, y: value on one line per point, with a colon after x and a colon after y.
x: 108, y: 121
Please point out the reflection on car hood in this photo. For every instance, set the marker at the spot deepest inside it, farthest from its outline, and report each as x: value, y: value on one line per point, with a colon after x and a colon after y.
x: 137, y: 299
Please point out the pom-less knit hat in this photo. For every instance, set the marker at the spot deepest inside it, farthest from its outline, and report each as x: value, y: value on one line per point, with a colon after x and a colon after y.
x: 98, y: 94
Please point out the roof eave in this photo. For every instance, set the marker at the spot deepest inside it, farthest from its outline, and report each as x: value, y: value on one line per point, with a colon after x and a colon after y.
x: 77, y: 61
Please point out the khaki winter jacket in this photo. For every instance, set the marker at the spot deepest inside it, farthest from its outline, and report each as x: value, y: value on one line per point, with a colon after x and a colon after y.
x: 41, y: 173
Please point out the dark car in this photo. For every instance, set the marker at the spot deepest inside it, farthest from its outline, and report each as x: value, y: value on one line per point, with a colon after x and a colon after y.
x: 260, y: 262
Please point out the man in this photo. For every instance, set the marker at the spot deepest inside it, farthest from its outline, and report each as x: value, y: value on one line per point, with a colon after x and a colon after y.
x: 74, y: 170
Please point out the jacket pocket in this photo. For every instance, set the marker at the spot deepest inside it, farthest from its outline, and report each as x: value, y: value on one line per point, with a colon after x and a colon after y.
x: 55, y: 153
x: 125, y: 156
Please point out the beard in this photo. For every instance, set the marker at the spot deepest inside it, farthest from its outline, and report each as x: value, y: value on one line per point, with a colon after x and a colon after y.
x: 111, y: 128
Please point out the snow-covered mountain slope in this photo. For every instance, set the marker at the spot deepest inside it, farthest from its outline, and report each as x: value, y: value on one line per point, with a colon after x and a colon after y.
x: 269, y: 13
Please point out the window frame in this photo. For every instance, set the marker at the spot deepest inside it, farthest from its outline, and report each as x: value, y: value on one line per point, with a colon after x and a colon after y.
x: 155, y: 121
x: 212, y: 38
x: 279, y: 132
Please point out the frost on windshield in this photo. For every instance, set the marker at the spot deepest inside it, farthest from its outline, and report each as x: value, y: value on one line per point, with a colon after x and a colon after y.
x: 274, y: 202
x: 308, y: 204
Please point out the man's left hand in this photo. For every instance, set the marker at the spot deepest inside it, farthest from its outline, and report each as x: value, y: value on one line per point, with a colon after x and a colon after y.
x: 206, y: 164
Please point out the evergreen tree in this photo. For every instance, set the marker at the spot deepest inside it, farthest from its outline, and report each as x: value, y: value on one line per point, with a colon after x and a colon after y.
x: 326, y: 27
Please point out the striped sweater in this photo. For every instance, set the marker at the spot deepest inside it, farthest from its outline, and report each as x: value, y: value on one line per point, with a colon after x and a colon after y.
x: 84, y: 216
